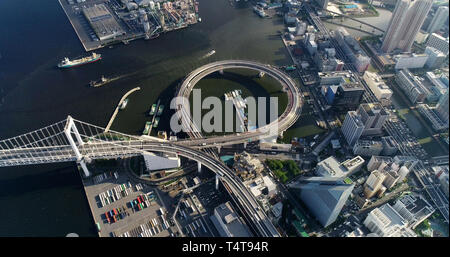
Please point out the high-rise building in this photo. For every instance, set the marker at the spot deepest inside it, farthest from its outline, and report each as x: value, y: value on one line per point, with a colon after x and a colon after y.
x: 390, y: 146
x: 343, y: 89
x: 373, y: 116
x: 438, y: 42
x: 439, y: 19
x: 385, y: 221
x: 352, y: 49
x: 373, y: 183
x: 442, y: 108
x: 406, y: 21
x: 330, y: 167
x: 435, y: 57
x: 348, y: 96
x: 410, y: 61
x: 324, y: 197
x: 376, y: 84
x: 352, y: 128
x: 367, y: 147
x: 414, y: 209
x: 412, y: 86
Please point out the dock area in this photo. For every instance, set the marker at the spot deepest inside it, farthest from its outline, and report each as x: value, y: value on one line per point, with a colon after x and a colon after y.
x: 118, y: 107
x: 240, y: 105
x: 99, y: 23
x: 159, y: 108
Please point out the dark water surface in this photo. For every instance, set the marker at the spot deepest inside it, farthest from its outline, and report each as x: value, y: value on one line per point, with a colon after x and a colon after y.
x: 48, y: 200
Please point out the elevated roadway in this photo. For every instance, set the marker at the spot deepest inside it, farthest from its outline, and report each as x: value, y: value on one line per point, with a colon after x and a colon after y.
x: 286, y: 120
x: 248, y: 205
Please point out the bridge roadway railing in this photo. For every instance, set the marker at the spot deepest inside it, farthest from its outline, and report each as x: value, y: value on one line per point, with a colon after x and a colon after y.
x: 100, y: 150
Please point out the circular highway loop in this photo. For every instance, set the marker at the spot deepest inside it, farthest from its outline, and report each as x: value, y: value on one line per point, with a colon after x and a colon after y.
x: 286, y: 120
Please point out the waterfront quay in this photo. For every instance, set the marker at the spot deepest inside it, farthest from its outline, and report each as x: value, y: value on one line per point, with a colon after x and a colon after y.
x: 99, y: 23
x: 134, y: 221
x: 82, y: 28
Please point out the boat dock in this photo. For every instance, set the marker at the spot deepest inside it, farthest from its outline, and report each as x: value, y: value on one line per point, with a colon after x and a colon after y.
x: 118, y: 107
x: 154, y: 117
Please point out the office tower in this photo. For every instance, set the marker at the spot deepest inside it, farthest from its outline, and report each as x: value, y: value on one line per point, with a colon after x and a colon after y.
x: 407, y: 18
x: 411, y: 86
x: 435, y: 58
x: 343, y: 89
x: 374, y: 183
x: 442, y: 108
x: 438, y: 42
x: 348, y: 96
x: 373, y: 116
x: 439, y: 19
x: 324, y: 197
x: 352, y: 128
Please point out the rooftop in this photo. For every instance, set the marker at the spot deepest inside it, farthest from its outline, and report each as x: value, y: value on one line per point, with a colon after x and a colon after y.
x: 352, y: 163
x: 235, y: 227
x: 356, y: 118
x: 373, y: 109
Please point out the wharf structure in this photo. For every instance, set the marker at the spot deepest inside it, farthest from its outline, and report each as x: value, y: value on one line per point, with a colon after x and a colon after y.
x: 100, y: 23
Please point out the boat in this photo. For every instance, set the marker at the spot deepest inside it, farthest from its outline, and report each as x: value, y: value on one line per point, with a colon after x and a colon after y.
x: 67, y: 63
x: 152, y: 110
x: 290, y: 68
x: 124, y: 104
x: 260, y: 12
x: 98, y: 83
x: 147, y: 127
x: 210, y: 53
x: 156, y: 122
x: 160, y: 109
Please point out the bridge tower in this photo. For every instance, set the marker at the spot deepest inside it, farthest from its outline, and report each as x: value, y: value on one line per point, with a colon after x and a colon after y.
x: 70, y: 129
x: 217, y: 182
x: 199, y: 167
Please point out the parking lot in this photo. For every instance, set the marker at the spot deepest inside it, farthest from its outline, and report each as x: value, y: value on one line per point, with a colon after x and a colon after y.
x: 120, y: 205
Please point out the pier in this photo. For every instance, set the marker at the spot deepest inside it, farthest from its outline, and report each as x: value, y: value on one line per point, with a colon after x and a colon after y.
x: 153, y: 119
x: 118, y: 106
